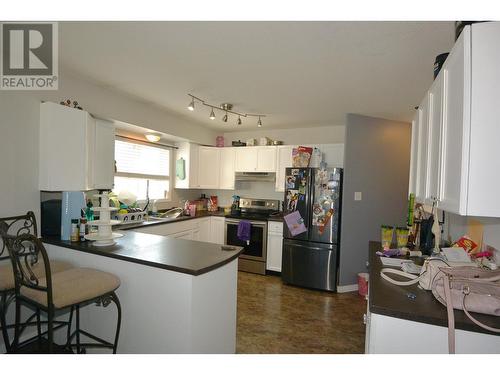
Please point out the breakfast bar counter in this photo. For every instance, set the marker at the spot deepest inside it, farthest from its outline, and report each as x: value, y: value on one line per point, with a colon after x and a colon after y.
x: 177, y: 295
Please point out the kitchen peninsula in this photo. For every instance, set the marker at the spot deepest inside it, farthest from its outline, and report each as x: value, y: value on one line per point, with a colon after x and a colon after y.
x: 177, y: 296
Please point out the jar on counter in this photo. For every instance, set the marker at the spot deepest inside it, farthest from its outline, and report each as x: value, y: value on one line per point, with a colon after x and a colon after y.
x: 75, y: 231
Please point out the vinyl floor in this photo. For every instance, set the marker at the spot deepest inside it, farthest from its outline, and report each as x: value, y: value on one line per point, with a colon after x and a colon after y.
x: 277, y: 318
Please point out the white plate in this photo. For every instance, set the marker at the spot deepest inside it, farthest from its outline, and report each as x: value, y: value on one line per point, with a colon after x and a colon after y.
x: 105, y: 208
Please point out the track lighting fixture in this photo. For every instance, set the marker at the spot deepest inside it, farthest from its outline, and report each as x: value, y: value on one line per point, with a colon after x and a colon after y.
x: 191, y: 105
x: 227, y: 108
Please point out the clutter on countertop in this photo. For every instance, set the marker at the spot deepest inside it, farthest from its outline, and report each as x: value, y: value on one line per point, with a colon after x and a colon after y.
x: 238, y: 143
x: 219, y: 141
x: 213, y: 205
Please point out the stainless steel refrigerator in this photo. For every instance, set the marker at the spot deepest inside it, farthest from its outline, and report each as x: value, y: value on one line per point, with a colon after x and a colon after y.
x: 311, y: 231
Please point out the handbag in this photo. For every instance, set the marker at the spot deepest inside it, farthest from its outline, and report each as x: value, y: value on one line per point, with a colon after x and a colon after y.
x: 430, y: 271
x: 469, y: 289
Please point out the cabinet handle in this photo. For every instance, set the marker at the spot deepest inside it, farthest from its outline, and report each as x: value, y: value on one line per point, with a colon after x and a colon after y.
x: 364, y: 319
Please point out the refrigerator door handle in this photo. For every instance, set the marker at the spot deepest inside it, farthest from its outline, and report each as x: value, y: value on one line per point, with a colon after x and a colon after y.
x: 308, y: 246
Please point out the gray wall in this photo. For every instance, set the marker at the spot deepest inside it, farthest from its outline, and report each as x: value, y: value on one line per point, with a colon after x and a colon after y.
x: 376, y: 163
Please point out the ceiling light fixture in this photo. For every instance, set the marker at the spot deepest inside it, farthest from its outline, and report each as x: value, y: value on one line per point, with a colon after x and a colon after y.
x: 191, y: 105
x: 152, y: 137
x: 226, y: 107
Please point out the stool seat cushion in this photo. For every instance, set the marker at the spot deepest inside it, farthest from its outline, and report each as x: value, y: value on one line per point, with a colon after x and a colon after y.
x: 74, y: 286
x: 7, y: 275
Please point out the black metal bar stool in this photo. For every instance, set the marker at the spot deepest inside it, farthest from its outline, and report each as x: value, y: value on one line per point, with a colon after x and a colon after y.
x: 14, y: 226
x: 69, y: 289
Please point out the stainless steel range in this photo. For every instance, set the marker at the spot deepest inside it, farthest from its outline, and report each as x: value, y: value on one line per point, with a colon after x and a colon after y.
x: 256, y: 211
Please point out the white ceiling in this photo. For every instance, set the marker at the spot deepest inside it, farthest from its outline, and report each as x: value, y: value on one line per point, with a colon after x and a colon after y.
x: 298, y: 73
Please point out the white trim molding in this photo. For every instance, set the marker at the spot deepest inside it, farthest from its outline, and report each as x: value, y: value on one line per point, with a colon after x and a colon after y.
x: 347, y: 288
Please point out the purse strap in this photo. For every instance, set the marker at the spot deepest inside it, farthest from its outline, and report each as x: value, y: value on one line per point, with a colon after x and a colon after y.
x: 413, y: 278
x: 482, y: 325
x: 451, y: 315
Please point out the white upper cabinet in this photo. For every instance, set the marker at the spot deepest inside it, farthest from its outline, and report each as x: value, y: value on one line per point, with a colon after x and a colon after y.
x: 421, y: 178
x: 466, y: 143
x: 227, y: 165
x: 435, y: 122
x: 186, y: 156
x: 412, y: 188
x: 266, y: 159
x: 104, y: 155
x: 284, y: 160
x: 256, y: 159
x: 75, y: 153
x: 208, y: 167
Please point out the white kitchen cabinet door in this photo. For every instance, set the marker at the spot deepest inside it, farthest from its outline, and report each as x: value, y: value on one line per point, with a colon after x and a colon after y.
x: 204, y: 229
x: 104, y: 155
x: 414, y: 154
x: 456, y: 127
x: 217, y: 230
x: 422, y: 150
x: 284, y: 160
x: 246, y: 159
x: 435, y: 114
x: 208, y: 167
x: 189, y: 153
x: 227, y: 167
x: 266, y: 159
x: 274, y: 246
x: 67, y: 138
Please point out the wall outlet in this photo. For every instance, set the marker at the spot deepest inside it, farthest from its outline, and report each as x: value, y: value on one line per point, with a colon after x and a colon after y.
x: 357, y: 195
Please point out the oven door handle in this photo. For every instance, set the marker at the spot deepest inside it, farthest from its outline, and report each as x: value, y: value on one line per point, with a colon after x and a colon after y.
x: 256, y: 223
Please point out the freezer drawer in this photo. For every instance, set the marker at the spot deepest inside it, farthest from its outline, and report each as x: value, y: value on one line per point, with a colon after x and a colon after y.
x: 310, y: 265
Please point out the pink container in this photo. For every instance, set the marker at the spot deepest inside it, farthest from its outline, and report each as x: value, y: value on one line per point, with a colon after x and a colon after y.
x: 219, y: 141
x: 192, y: 210
x: 363, y: 284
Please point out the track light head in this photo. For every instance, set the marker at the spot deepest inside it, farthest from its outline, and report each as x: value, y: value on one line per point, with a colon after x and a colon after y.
x: 212, y: 115
x: 239, y: 120
x: 224, y: 118
x: 259, y: 123
x: 191, y: 105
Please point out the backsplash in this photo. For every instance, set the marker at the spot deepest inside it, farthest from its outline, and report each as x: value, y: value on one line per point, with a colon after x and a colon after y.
x: 247, y: 189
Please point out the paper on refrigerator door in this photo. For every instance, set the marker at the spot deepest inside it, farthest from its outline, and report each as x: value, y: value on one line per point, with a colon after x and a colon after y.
x: 295, y: 223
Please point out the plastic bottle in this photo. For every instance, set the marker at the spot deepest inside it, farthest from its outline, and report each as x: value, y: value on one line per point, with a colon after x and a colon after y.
x: 83, y: 229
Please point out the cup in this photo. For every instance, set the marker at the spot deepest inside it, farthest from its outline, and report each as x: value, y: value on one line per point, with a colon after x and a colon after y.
x: 386, y: 234
x: 401, y: 237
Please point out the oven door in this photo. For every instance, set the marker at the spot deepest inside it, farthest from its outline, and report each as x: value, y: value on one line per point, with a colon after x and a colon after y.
x: 256, y: 249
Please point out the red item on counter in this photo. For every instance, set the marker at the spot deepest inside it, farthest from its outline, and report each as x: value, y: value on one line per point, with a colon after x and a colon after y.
x: 213, y: 204
x: 465, y: 243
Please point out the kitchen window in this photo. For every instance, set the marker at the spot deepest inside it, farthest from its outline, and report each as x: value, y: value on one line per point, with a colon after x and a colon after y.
x: 139, y: 165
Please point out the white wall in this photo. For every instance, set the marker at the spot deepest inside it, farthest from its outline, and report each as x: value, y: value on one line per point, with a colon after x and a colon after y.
x: 19, y: 117
x: 305, y: 135
x: 251, y: 189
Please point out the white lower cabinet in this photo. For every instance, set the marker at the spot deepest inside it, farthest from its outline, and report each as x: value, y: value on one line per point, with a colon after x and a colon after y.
x: 274, y: 246
x: 206, y: 229
x: 217, y: 230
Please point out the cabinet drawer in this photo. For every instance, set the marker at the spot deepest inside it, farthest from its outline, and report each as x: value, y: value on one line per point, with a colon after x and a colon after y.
x: 275, y: 227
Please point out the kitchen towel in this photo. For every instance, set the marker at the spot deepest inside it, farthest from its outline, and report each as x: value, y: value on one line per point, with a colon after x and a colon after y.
x: 244, y: 228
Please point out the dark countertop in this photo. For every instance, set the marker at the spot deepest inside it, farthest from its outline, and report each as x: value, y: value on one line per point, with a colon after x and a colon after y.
x: 391, y: 300
x: 184, y: 256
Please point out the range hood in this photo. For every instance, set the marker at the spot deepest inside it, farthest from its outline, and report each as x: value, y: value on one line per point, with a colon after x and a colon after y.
x: 255, y: 176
